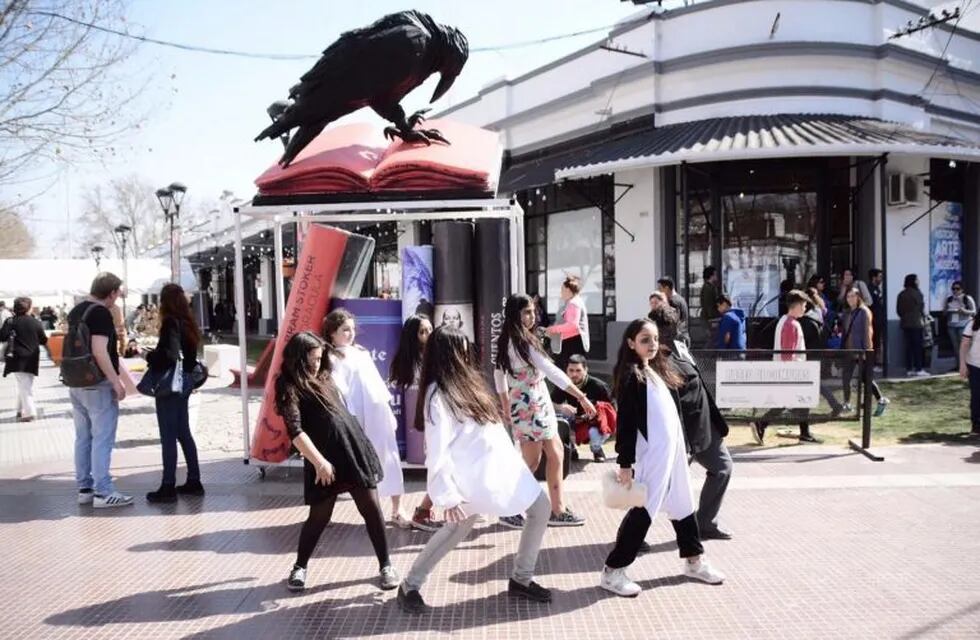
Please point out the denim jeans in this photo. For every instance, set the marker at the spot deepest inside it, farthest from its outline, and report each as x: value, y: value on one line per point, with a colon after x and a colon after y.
x: 596, y: 439
x: 96, y: 414
x: 956, y: 337
x: 174, y: 425
x: 451, y: 534
x: 914, y: 356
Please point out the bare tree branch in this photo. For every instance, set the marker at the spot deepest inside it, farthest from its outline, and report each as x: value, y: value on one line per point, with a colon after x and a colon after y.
x: 63, y: 92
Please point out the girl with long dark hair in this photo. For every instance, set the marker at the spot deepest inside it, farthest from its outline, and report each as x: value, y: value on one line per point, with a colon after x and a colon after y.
x: 368, y: 398
x: 179, y: 341
x: 472, y: 467
x: 406, y: 368
x: 650, y: 436
x: 337, y: 456
x: 858, y: 330
x: 519, y: 378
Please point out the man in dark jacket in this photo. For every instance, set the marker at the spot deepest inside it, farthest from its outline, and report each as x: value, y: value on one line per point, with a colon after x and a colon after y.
x: 704, y: 426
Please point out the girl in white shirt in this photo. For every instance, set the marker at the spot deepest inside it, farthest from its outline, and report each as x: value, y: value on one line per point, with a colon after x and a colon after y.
x: 650, y: 439
x: 367, y: 397
x: 472, y: 467
x: 519, y: 378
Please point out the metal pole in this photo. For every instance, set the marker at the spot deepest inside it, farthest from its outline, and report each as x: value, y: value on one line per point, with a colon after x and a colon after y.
x: 883, y: 195
x: 687, y: 231
x: 242, y: 344
x: 280, y: 278
x: 125, y: 275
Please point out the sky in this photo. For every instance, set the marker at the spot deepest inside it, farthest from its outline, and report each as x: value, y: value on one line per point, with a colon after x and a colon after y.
x: 204, y: 109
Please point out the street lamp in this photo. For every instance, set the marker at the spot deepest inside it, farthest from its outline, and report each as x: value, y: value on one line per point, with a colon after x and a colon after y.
x: 170, y: 198
x: 97, y: 254
x: 123, y: 231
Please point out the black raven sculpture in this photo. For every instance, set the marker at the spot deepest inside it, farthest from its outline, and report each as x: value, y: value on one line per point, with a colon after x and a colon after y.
x: 372, y: 67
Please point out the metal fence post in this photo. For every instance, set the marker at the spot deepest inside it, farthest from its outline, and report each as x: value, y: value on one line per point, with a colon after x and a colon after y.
x: 867, y: 367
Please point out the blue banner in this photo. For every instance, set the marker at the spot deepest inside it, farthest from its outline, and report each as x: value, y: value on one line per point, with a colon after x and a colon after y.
x: 945, y: 254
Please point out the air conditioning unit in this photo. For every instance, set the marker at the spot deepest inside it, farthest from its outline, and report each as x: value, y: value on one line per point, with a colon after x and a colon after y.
x: 903, y: 190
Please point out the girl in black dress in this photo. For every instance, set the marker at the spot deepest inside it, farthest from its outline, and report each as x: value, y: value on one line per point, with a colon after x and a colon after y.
x: 337, y: 456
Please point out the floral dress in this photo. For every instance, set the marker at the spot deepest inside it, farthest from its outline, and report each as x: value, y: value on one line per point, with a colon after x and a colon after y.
x: 531, y: 410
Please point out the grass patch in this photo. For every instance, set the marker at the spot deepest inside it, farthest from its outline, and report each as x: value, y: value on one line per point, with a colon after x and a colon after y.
x: 921, y: 411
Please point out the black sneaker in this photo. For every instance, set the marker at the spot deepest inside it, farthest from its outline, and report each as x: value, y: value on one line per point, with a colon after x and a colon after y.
x: 533, y: 591
x: 297, y: 579
x: 808, y: 437
x: 513, y: 522
x: 166, y: 493
x: 411, y: 601
x: 191, y: 488
x: 599, y: 455
x: 566, y: 519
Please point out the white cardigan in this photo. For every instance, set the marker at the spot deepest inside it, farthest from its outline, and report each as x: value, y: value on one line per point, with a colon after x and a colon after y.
x: 473, y: 465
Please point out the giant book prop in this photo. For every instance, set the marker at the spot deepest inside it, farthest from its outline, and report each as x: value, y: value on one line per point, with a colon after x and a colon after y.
x: 453, y: 266
x: 357, y: 159
x: 331, y: 261
x: 491, y: 274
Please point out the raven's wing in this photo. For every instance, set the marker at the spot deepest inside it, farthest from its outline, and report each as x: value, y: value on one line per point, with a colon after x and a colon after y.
x: 359, y: 45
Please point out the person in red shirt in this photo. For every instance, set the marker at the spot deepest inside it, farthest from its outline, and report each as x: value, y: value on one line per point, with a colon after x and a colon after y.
x: 788, y: 337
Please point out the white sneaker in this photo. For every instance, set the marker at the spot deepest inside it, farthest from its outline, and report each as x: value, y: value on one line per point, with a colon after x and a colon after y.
x: 85, y: 496
x: 114, y: 499
x: 618, y: 582
x: 703, y: 571
x: 910, y: 373
x: 922, y: 373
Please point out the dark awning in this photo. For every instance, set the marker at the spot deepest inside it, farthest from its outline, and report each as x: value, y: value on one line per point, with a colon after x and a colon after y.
x: 757, y: 137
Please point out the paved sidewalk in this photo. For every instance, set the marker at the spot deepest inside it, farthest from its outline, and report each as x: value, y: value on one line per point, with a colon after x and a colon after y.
x: 829, y: 545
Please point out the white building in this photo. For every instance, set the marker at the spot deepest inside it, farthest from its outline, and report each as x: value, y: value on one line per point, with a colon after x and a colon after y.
x: 770, y: 138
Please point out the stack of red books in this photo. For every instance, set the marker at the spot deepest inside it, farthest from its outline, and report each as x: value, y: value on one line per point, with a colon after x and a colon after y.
x: 357, y: 159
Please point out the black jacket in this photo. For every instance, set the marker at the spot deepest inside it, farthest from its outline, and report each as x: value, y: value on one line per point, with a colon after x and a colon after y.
x: 172, y: 343
x: 631, y: 417
x: 26, y: 345
x: 699, y: 413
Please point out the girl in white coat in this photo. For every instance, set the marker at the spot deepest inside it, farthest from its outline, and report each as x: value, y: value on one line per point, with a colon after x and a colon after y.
x: 649, y: 435
x: 367, y: 397
x: 472, y: 467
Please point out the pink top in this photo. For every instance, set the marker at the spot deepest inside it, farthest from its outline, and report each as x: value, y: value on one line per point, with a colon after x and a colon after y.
x: 569, y: 327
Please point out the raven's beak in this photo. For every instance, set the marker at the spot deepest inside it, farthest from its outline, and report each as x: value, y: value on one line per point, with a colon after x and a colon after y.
x: 445, y: 81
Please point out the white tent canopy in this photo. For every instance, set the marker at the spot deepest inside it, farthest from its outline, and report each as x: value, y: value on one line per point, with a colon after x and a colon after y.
x: 69, y: 278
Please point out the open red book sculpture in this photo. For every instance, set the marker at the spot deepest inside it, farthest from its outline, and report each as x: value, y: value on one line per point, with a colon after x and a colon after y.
x: 356, y: 158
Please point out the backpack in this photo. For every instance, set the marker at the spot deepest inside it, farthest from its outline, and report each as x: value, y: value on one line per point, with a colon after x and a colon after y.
x: 78, y: 366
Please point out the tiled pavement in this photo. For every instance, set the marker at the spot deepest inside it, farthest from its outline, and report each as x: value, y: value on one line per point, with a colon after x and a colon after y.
x: 829, y: 545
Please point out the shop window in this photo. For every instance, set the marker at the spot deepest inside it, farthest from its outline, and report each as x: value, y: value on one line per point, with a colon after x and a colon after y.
x: 575, y: 249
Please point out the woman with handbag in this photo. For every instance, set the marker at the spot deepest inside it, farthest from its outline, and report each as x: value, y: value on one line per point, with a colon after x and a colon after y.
x: 650, y: 436
x: 175, y: 355
x: 24, y: 335
x: 859, y: 334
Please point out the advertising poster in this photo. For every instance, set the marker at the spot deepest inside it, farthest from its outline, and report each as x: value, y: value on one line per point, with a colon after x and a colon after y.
x: 418, y: 285
x: 453, y: 268
x: 945, y: 254
x: 765, y: 384
x: 491, y: 268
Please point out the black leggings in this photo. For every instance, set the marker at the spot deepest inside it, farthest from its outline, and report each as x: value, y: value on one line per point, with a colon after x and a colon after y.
x: 847, y: 375
x: 368, y: 506
x: 634, y: 528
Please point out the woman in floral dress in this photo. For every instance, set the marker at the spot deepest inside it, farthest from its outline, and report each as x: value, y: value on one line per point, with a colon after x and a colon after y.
x: 519, y: 378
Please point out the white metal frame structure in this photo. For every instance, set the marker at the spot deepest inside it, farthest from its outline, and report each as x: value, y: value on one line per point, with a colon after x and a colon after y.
x: 358, y: 212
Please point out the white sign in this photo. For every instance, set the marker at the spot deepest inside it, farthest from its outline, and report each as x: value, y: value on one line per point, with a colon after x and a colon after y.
x: 765, y: 384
